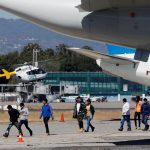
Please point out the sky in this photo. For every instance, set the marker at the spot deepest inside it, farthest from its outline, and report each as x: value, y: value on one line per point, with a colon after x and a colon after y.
x: 7, y: 15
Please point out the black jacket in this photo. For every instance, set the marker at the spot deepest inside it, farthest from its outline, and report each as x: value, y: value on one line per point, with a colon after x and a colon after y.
x: 82, y: 111
x: 92, y: 109
x: 145, y: 110
x: 14, y: 115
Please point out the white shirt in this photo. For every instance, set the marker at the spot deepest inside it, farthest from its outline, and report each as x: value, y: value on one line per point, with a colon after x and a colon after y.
x: 126, y: 109
x: 24, y: 113
x: 78, y: 107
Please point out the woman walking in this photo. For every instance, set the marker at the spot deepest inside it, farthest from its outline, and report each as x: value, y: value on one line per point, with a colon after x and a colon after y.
x: 90, y: 111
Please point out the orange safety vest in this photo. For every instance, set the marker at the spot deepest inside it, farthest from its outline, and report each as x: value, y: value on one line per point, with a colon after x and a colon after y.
x: 138, y: 107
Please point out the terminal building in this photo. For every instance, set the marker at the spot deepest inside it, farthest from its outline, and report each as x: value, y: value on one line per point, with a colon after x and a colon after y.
x: 96, y: 83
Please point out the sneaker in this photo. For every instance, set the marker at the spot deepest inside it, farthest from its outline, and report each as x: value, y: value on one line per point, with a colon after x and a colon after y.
x: 147, y: 127
x: 81, y: 130
x: 31, y: 133
x: 86, y: 131
x: 129, y: 129
x: 5, y: 135
x: 139, y: 128
x: 120, y: 129
x: 93, y: 129
x: 48, y: 134
x: 144, y: 129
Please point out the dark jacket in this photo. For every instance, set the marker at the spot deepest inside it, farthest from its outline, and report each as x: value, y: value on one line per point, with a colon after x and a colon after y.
x: 145, y: 110
x: 14, y: 115
x: 82, y: 111
x: 92, y: 110
x: 47, y: 111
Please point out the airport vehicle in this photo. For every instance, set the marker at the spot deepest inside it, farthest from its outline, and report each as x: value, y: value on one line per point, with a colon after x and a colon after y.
x: 122, y: 22
x: 72, y: 97
x: 99, y: 99
x: 68, y: 97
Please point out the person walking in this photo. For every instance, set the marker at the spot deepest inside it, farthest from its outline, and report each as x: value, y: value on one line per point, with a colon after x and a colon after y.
x: 14, y: 115
x: 24, y: 113
x: 90, y: 111
x: 145, y: 114
x: 125, y: 115
x: 80, y: 112
x: 46, y: 113
x: 137, y: 114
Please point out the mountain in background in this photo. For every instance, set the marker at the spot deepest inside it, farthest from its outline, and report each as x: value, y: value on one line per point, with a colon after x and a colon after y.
x: 14, y: 34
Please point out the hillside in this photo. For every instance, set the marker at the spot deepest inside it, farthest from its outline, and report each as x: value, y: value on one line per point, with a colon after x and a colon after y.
x: 14, y: 34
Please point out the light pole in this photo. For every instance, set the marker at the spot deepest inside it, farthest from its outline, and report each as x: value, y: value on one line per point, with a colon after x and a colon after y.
x: 35, y: 57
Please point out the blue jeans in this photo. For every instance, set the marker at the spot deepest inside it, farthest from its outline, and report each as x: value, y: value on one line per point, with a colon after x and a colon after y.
x: 127, y: 119
x: 88, y: 120
x: 145, y: 120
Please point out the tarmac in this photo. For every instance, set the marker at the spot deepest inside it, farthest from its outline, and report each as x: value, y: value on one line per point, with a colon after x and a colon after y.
x: 66, y: 136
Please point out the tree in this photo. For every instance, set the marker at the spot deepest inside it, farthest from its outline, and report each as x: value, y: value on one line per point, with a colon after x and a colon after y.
x: 26, y: 54
x: 51, y: 60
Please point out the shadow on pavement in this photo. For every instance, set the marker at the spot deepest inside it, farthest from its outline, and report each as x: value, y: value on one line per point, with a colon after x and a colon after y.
x: 134, y: 142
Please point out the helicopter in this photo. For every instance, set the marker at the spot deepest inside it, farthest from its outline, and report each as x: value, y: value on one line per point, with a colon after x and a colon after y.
x: 25, y: 73
x: 29, y: 73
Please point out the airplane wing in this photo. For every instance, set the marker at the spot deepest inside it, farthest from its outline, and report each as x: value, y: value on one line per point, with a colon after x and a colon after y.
x: 93, y: 5
x: 105, y: 57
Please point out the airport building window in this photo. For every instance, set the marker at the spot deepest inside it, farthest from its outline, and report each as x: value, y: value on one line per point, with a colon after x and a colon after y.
x: 93, y: 82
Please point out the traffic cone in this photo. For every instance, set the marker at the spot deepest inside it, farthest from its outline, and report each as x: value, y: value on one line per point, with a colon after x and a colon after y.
x: 62, y: 119
x: 20, y: 138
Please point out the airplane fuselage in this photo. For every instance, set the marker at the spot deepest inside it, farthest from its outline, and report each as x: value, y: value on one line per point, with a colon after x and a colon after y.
x: 128, y: 25
x: 123, y: 26
x: 139, y: 73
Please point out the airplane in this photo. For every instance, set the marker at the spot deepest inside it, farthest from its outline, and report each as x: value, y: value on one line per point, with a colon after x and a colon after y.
x: 120, y: 22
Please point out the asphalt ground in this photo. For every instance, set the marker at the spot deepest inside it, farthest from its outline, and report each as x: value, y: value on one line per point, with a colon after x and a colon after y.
x: 66, y: 136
